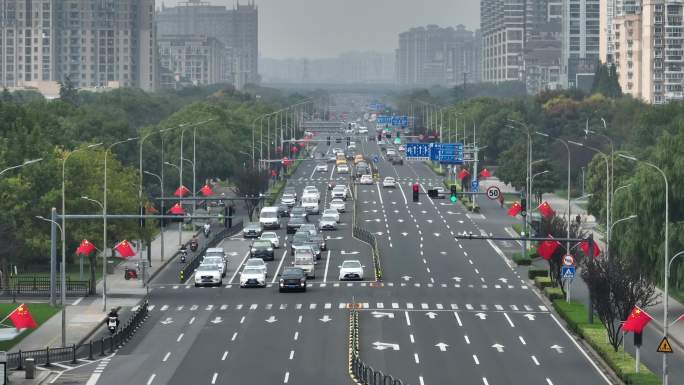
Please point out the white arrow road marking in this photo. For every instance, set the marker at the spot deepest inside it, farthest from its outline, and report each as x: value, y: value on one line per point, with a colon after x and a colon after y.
x: 529, y: 317
x: 498, y: 347
x: 377, y: 345
x: 349, y: 252
x: 406, y: 278
x: 380, y: 314
x: 481, y: 315
x: 216, y: 320
x: 457, y: 279
x: 442, y: 346
x: 504, y: 280
x: 423, y: 211
x: 436, y: 234
x: 404, y: 234
x: 326, y: 318
x: 429, y: 220
x: 333, y: 238
x: 557, y: 348
x: 378, y: 233
x: 396, y: 211
x: 400, y: 220
x: 461, y: 222
x: 431, y: 315
x: 167, y: 321
x: 271, y: 319
x: 443, y: 252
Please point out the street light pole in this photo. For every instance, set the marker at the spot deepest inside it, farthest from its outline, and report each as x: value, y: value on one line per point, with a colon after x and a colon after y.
x: 667, y: 262
x: 180, y: 238
x: 26, y: 163
x: 528, y: 180
x: 161, y: 223
x: 63, y: 229
x: 567, y: 147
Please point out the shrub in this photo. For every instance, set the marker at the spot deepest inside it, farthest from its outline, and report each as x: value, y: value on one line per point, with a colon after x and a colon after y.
x: 537, y: 272
x: 543, y: 282
x: 520, y: 260
x: 554, y: 293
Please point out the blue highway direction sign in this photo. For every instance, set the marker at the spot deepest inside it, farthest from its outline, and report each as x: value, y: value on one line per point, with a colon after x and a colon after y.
x: 418, y: 151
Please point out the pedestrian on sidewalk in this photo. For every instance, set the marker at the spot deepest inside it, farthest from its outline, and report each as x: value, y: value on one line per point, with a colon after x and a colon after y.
x: 501, y: 200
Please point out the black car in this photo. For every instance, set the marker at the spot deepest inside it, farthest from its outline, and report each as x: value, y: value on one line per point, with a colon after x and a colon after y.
x: 292, y: 279
x: 252, y: 230
x: 263, y: 250
x: 283, y: 211
x: 338, y: 140
x: 303, y: 238
x: 294, y: 223
x: 397, y: 160
x: 299, y: 212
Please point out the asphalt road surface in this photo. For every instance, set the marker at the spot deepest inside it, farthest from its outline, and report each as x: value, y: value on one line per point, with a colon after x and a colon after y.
x: 447, y: 311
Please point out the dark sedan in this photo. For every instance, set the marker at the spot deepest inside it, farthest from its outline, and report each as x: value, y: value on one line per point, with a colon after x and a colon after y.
x: 294, y: 223
x: 263, y: 250
x: 292, y: 279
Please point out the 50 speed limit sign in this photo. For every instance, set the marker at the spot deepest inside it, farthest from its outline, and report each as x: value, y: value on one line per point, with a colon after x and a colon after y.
x: 493, y: 192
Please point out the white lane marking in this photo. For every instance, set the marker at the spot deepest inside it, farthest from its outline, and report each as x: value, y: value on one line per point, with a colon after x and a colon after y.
x: 534, y: 359
x: 522, y: 340
x: 327, y: 264
x: 213, y: 378
x: 477, y: 362
x: 180, y: 337
x: 509, y: 320
x: 282, y: 259
x: 296, y: 336
x: 77, y: 301
x: 415, y: 357
x: 377, y: 185
x: 467, y: 340
x: 242, y: 320
x: 420, y: 378
x: 299, y: 320
x: 413, y: 341
x: 287, y: 377
x: 408, y: 320
x: 191, y: 321
x: 605, y: 378
x: 94, y: 377
x: 234, y: 336
x: 224, y: 356
x: 166, y: 356
x: 484, y: 381
x: 458, y: 319
x: 312, y: 173
x: 237, y: 270
x: 548, y: 381
x: 291, y: 354
x: 149, y: 381
x: 402, y: 194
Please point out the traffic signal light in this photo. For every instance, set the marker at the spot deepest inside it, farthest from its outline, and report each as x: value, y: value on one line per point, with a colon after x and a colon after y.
x: 453, y: 197
x: 398, y: 134
x: 416, y: 192
x: 523, y: 205
x: 348, y: 141
x: 328, y: 141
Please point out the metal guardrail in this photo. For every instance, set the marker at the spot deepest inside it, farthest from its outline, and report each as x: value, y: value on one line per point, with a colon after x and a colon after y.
x: 39, y: 286
x: 360, y: 372
x: 87, y: 350
x: 367, y: 237
x: 190, y: 267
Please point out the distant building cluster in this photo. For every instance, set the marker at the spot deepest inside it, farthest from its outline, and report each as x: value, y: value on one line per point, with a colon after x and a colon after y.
x: 432, y: 55
x: 105, y: 44
x: 350, y: 67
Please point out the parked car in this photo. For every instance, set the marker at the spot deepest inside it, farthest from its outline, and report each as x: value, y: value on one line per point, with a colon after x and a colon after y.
x: 292, y: 278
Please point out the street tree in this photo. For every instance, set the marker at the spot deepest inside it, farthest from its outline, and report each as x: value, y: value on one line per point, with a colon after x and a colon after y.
x: 556, y: 227
x: 250, y: 183
x: 616, y: 286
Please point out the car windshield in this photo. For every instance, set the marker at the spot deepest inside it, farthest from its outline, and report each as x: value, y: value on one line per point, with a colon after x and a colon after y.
x: 350, y: 264
x: 214, y: 254
x: 261, y: 244
x: 296, y: 220
x: 303, y: 259
x: 298, y: 210
x: 252, y: 271
x: 212, y: 260
x: 252, y: 226
x: 300, y: 237
x: 288, y: 196
x: 292, y: 272
x: 254, y: 262
x: 269, y: 235
x: 337, y: 201
x: 208, y: 267
x: 329, y: 211
x: 328, y: 218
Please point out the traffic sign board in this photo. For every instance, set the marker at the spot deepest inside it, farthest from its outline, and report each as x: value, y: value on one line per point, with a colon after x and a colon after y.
x: 397, y: 140
x: 493, y: 193
x: 568, y: 272
x: 376, y: 159
x: 393, y: 120
x: 447, y: 152
x: 418, y: 151
x: 664, y: 346
x: 568, y: 260
x: 474, y: 185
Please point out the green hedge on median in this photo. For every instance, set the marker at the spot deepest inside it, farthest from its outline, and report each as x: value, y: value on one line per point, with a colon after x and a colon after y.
x: 520, y: 260
x: 554, y: 293
x: 543, y: 282
x: 535, y: 272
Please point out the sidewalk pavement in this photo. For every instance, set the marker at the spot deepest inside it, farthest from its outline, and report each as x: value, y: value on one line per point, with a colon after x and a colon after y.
x: 84, y: 315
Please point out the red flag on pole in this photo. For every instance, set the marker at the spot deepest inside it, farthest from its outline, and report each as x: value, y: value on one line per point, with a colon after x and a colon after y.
x: 681, y: 318
x: 181, y: 191
x: 545, y: 210
x: 547, y: 248
x: 485, y: 173
x: 177, y: 209
x: 584, y: 245
x: 21, y: 318
x: 463, y: 173
x: 85, y: 248
x: 124, y: 249
x: 636, y: 321
x: 206, y: 190
x: 515, y: 209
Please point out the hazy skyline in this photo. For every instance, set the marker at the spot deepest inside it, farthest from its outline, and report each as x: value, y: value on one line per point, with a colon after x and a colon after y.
x: 326, y: 28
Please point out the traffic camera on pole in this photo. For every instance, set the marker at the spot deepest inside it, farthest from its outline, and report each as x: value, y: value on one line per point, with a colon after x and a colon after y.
x: 416, y: 192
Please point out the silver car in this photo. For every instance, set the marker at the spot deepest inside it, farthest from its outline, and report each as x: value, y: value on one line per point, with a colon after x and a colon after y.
x: 327, y: 222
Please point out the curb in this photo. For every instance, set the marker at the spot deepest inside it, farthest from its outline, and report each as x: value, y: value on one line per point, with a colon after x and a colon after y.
x: 95, y: 329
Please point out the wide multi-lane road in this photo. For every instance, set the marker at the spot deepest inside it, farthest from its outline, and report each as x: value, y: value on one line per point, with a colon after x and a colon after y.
x: 447, y: 311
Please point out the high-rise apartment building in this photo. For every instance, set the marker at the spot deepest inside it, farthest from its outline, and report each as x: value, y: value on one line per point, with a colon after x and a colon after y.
x: 194, y: 60
x: 93, y: 43
x: 236, y: 28
x: 502, y: 24
x: 581, y: 41
x: 432, y: 55
x: 543, y: 45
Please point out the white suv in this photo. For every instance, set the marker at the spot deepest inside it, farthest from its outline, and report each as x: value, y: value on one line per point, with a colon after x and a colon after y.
x: 366, y: 179
x: 208, y: 275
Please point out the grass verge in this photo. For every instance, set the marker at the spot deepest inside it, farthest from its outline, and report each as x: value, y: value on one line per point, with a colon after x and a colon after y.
x: 40, y: 312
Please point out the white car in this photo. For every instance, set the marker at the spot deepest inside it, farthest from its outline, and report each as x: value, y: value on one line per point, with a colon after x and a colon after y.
x: 322, y: 168
x: 339, y: 192
x: 328, y: 222
x: 391, y: 152
x: 343, y: 169
x: 288, y: 199
x: 332, y: 212
x: 352, y: 146
x: 389, y: 182
x: 252, y: 277
x: 338, y: 204
x: 215, y: 260
x: 366, y: 179
x: 271, y: 236
x: 310, y: 190
x: 208, y: 275
x: 351, y: 269
x: 256, y: 263
x: 218, y: 252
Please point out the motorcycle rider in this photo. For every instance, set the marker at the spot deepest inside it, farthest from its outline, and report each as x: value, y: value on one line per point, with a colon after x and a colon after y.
x: 184, y: 253
x: 207, y: 228
x: 113, y: 320
x: 194, y: 243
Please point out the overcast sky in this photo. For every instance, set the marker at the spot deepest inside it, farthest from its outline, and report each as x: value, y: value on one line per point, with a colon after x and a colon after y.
x: 326, y: 28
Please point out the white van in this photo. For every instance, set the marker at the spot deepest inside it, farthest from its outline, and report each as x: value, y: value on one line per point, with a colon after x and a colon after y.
x: 310, y: 203
x: 268, y: 218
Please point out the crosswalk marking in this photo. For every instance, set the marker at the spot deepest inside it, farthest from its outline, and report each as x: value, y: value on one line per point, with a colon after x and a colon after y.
x: 224, y: 307
x: 312, y: 306
x: 328, y: 305
x: 543, y: 308
x: 342, y: 305
x: 253, y: 306
x: 239, y: 307
x: 163, y: 308
x: 380, y: 305
x: 454, y: 306
x: 395, y: 305
x: 469, y: 306
x: 299, y: 306
x: 283, y: 306
x: 269, y: 306
x: 424, y: 306
x: 498, y: 307
x: 514, y: 308
x: 409, y: 305
x: 439, y: 306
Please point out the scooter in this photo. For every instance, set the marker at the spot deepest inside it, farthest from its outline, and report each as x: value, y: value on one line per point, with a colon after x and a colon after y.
x: 207, y: 230
x: 130, y: 273
x: 112, y: 324
x: 183, y: 256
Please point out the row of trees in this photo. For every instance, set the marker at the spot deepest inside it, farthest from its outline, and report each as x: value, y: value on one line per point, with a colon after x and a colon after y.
x: 32, y: 127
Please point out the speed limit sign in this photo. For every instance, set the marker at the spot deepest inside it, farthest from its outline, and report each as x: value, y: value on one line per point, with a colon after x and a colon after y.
x: 493, y: 192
